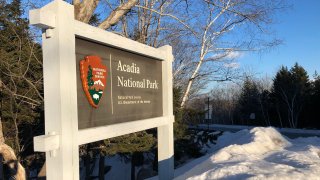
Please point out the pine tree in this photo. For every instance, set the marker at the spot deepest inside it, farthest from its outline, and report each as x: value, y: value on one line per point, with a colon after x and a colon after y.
x: 316, y: 86
x: 20, y: 80
x: 290, y: 91
x: 313, y: 108
x: 89, y: 77
x: 179, y: 126
x: 248, y: 103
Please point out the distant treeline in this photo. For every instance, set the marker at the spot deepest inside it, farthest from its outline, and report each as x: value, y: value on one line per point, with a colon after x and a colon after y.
x: 290, y: 99
x: 293, y: 101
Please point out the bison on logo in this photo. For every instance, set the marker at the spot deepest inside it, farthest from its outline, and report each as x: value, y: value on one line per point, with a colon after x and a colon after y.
x: 94, y: 78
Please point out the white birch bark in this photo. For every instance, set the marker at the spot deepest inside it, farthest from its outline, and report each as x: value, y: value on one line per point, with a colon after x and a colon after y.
x: 85, y: 9
x: 117, y: 14
x: 205, y: 45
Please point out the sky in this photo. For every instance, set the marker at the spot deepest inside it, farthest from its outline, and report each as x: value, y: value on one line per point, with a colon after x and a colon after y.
x: 299, y: 28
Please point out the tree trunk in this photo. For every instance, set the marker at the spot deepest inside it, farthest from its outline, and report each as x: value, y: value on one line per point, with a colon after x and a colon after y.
x: 190, y: 82
x: 16, y: 171
x: 117, y: 14
x: 101, y: 167
x: 279, y: 115
x: 263, y: 113
x: 84, y: 10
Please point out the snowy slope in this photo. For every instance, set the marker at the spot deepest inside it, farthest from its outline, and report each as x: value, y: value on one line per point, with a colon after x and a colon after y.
x: 259, y: 153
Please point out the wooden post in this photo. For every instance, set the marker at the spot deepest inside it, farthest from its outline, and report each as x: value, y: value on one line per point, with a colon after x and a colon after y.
x: 60, y: 90
x: 165, y: 133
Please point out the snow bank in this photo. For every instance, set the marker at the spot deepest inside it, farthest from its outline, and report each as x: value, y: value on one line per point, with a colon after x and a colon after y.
x: 257, y: 141
x: 261, y: 153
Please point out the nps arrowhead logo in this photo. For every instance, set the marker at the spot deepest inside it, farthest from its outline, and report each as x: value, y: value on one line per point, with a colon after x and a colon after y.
x: 94, y: 76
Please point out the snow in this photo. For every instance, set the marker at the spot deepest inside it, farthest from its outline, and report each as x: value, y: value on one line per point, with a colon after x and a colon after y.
x: 290, y: 132
x: 259, y: 153
x: 200, y: 133
x: 118, y: 166
x: 235, y: 128
x: 121, y: 168
x: 214, y: 133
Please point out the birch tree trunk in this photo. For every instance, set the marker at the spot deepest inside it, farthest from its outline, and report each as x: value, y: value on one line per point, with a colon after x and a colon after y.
x: 190, y: 82
x: 225, y: 17
x: 206, y: 43
x: 85, y: 9
x: 117, y: 14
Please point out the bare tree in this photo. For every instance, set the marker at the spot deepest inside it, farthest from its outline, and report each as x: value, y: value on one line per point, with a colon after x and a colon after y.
x: 19, y: 85
x: 84, y: 10
x: 224, y: 99
x: 210, y: 31
x: 221, y: 19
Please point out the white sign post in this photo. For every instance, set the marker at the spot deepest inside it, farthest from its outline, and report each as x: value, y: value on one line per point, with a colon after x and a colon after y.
x: 62, y: 139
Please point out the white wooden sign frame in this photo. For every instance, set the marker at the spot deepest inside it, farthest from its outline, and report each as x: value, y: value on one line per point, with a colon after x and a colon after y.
x: 62, y: 139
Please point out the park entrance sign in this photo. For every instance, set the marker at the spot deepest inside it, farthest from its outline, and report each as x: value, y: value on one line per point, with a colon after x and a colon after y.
x: 120, y: 86
x: 99, y: 85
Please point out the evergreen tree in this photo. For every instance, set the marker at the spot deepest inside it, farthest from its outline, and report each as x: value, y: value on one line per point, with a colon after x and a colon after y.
x: 290, y: 91
x: 265, y: 106
x: 316, y: 87
x: 20, y: 80
x: 89, y: 77
x: 21, y: 72
x: 248, y: 104
x: 179, y: 126
x: 313, y: 108
x: 280, y: 84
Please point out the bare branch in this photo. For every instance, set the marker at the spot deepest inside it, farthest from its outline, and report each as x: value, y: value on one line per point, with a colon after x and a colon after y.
x: 170, y: 15
x: 117, y: 14
x: 84, y: 10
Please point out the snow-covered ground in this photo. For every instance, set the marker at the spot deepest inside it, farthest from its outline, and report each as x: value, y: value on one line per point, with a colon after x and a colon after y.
x: 290, y: 132
x: 259, y: 153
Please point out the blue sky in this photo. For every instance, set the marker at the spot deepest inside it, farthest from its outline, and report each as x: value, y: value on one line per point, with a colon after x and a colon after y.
x: 299, y: 28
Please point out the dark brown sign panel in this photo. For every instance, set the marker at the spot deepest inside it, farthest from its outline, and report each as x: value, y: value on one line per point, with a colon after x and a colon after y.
x: 132, y: 89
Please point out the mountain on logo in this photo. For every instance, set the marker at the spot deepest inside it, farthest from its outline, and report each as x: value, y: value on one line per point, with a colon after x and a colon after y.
x: 99, y: 83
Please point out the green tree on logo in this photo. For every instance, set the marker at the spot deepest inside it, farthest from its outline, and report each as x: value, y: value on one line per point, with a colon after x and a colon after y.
x: 89, y: 77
